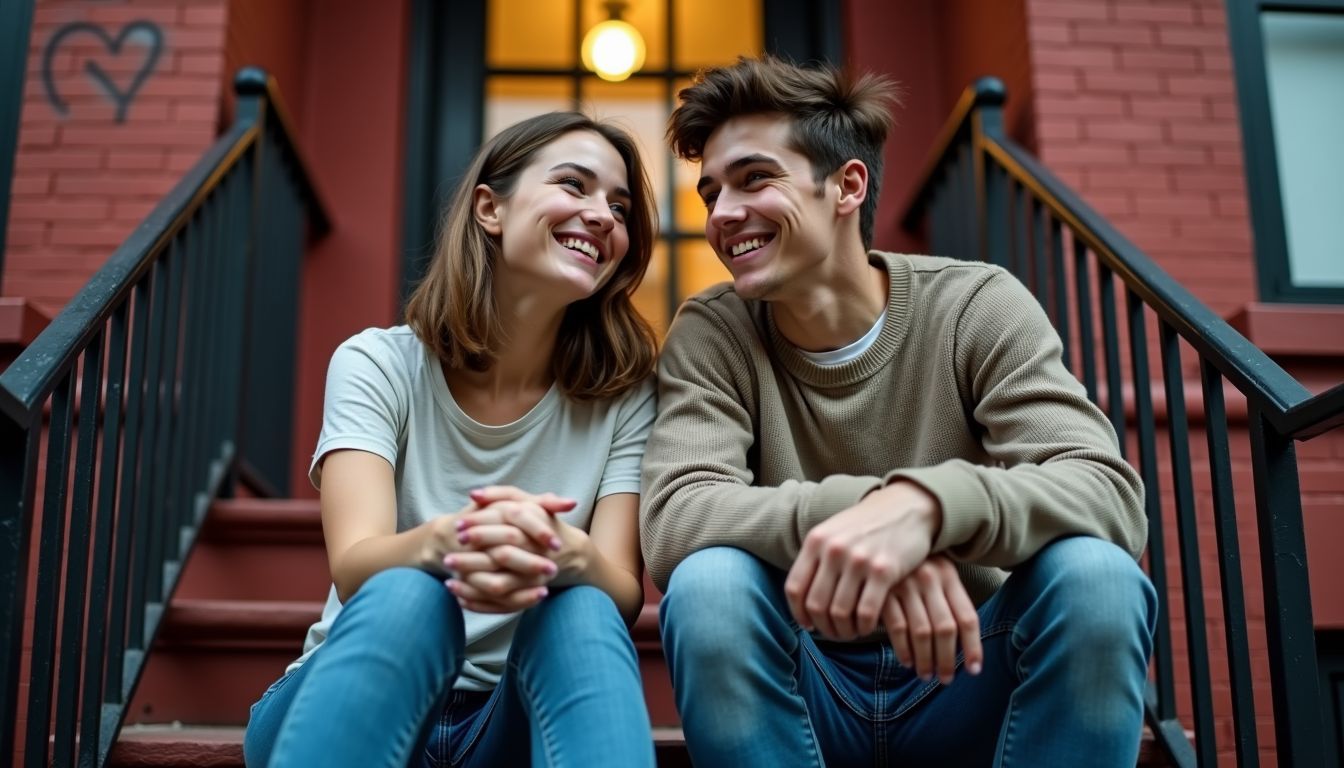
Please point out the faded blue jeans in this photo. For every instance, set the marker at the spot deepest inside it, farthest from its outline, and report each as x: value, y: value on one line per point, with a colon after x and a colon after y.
x: 1066, y: 642
x: 379, y: 692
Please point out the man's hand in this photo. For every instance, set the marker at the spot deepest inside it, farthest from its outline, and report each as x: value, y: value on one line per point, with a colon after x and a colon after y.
x: 925, y: 614
x: 849, y: 563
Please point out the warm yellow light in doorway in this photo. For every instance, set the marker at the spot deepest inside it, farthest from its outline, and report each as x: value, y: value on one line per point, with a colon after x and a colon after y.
x: 613, y: 49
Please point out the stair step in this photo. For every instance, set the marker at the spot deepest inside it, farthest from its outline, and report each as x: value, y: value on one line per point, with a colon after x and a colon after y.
x: 236, y: 648
x: 177, y: 746
x: 262, y: 549
x: 194, y: 746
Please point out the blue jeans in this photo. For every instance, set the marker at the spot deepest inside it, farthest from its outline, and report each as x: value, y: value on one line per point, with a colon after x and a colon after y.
x: 1066, y: 643
x: 379, y: 692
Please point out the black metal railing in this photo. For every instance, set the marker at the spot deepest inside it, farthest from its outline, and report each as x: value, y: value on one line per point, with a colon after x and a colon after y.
x: 122, y: 420
x: 983, y: 197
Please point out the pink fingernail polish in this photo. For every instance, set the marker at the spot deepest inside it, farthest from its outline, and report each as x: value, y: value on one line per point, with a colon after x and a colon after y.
x: 542, y: 592
x: 449, y: 562
x: 973, y: 668
x: 555, y: 544
x: 463, y: 538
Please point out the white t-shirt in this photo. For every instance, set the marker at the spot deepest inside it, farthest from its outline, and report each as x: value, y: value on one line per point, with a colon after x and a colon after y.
x: 386, y: 395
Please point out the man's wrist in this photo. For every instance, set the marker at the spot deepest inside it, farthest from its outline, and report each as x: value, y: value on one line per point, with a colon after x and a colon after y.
x: 913, y: 498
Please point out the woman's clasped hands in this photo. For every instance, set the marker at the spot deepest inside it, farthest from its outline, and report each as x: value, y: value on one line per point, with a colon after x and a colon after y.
x: 508, y: 547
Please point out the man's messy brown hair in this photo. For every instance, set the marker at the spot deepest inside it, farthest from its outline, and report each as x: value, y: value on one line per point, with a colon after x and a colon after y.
x: 835, y: 118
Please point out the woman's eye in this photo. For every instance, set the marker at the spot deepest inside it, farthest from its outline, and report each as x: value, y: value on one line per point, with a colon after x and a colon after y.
x: 572, y: 182
x: 618, y: 209
x: 709, y: 199
x: 755, y: 176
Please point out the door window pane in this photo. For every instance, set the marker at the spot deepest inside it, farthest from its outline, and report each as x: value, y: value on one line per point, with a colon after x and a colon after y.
x: 1304, y: 63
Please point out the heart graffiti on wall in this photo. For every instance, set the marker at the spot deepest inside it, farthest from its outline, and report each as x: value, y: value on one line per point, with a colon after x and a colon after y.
x: 149, y: 44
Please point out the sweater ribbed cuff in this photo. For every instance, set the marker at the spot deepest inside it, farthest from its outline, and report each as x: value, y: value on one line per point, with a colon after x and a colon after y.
x: 965, y: 504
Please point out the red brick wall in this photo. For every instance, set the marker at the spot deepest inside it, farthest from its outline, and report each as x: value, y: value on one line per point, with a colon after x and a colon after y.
x: 272, y: 34
x: 84, y: 179
x: 1136, y: 108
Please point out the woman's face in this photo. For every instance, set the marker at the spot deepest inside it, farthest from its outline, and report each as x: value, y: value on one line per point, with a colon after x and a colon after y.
x: 563, y: 229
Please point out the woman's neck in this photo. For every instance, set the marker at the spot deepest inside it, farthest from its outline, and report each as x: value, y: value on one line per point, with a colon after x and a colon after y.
x: 521, y: 373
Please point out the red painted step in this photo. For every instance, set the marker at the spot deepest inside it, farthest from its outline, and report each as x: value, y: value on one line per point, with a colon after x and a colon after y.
x: 222, y: 747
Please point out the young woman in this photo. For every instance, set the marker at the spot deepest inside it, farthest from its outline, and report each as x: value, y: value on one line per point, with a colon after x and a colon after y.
x: 479, y: 472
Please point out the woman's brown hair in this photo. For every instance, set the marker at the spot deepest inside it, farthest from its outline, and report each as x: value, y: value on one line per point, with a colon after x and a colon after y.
x: 604, y: 346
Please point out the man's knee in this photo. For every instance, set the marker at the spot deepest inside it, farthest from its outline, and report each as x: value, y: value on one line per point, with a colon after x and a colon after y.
x: 1098, y: 590
x: 718, y: 597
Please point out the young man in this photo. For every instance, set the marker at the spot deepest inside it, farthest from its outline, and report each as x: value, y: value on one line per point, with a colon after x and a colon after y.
x: 851, y: 450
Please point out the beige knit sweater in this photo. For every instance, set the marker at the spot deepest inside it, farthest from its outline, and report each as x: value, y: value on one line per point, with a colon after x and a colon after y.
x: 963, y: 392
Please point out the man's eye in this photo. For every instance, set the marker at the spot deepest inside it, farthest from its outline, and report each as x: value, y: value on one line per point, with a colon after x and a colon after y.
x: 756, y: 176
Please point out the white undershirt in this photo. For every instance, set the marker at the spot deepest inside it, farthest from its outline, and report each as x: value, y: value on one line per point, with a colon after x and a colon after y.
x: 851, y: 351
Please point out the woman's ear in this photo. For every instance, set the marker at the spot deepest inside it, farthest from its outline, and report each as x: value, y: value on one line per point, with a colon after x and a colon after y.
x: 852, y: 178
x: 486, y: 208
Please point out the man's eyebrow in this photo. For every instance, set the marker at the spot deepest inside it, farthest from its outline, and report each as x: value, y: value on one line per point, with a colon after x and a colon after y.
x: 588, y: 173
x: 745, y: 160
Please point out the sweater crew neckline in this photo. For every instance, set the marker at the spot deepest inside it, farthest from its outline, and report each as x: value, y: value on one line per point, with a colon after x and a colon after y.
x: 884, y: 348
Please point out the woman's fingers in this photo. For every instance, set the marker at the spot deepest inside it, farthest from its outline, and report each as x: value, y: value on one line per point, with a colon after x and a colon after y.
x: 474, y: 599
x: 548, y: 501
x: 527, y: 517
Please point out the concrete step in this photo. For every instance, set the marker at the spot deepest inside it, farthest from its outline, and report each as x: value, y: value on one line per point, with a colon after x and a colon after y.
x: 214, y: 658
x: 178, y: 746
x: 166, y: 746
x: 258, y: 549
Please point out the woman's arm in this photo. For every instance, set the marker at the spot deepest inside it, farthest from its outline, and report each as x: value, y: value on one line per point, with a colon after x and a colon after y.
x: 359, y: 522
x: 611, y: 560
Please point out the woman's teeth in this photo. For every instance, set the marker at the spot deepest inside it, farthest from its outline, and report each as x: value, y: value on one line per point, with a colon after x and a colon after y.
x: 583, y: 246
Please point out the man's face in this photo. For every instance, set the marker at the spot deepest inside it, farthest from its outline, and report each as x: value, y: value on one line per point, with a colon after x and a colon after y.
x: 768, y: 221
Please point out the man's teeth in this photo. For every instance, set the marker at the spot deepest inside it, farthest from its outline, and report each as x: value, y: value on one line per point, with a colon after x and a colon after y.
x: 748, y: 245
x: 583, y: 246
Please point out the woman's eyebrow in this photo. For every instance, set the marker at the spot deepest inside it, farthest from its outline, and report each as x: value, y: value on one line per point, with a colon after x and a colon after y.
x: 588, y: 173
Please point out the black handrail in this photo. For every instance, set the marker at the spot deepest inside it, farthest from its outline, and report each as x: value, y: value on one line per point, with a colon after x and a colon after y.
x: 150, y: 375
x: 1020, y: 214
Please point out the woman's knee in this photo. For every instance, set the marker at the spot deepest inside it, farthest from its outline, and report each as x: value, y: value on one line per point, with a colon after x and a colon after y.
x: 403, y: 606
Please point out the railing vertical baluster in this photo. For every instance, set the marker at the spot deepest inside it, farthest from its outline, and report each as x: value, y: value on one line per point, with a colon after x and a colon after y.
x: 1021, y: 235
x: 124, y: 560
x: 965, y: 202
x: 1040, y: 268
x: 1115, y: 397
x: 193, y: 383
x: 1061, y: 289
x: 1086, y: 339
x: 49, y: 569
x: 1144, y: 421
x: 91, y: 733
x: 996, y: 214
x: 1229, y: 568
x: 1187, y: 529
x: 1283, y: 563
x: 77, y: 571
x: 141, y: 593
x: 170, y: 536
x: 19, y: 443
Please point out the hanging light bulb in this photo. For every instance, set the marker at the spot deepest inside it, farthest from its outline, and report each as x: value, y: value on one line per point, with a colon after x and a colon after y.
x: 613, y: 48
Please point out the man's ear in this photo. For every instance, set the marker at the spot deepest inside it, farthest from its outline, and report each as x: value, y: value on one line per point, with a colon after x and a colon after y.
x: 486, y: 208
x: 852, y: 178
